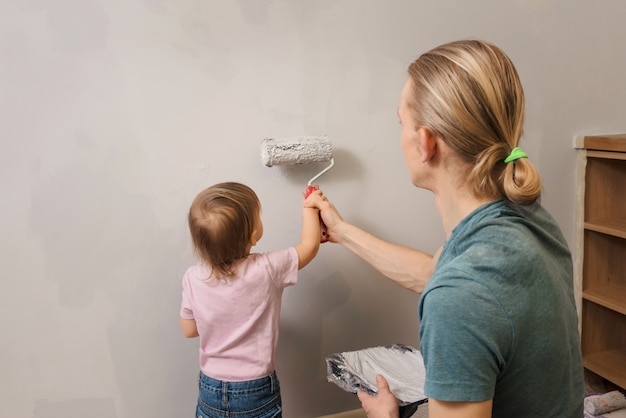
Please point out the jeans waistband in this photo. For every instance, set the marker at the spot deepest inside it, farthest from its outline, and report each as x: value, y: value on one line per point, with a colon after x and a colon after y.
x: 272, y: 380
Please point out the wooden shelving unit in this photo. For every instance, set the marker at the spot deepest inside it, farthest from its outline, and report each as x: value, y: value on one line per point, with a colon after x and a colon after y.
x: 601, y: 258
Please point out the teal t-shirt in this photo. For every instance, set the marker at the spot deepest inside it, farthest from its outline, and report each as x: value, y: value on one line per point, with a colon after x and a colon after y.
x: 498, y: 318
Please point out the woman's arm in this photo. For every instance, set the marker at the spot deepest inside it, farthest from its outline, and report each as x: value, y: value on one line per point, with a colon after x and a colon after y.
x: 444, y: 409
x: 385, y: 405
x: 406, y: 266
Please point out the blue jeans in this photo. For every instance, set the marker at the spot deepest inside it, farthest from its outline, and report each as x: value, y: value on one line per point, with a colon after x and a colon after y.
x: 259, y: 398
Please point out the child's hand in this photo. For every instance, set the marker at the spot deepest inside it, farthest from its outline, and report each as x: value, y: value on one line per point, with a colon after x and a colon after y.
x: 331, y: 219
x: 314, y: 199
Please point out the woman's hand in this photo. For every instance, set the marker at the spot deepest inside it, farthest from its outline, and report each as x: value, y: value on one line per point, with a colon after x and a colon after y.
x: 329, y: 214
x: 383, y: 405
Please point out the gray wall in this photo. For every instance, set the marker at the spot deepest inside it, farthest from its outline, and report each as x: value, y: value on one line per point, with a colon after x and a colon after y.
x: 114, y: 114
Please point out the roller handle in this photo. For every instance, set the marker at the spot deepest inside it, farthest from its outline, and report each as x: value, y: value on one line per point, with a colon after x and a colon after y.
x: 310, y: 189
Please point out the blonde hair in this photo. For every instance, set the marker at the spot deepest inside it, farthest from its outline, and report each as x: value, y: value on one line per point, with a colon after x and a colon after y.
x: 469, y: 94
x: 221, y: 221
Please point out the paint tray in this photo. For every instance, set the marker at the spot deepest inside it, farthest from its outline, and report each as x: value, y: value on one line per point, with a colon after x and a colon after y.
x: 401, y: 365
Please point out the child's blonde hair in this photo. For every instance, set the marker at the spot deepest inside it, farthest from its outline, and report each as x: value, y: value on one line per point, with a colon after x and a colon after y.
x: 222, y: 219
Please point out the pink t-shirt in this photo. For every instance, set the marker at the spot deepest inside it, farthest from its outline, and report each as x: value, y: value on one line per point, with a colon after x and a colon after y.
x: 237, y: 318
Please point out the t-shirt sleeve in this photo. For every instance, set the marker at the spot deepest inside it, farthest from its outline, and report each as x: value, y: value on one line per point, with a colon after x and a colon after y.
x: 282, y: 266
x: 186, y: 306
x: 464, y: 339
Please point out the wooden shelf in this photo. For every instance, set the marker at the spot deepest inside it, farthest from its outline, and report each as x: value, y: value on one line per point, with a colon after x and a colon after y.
x: 611, y: 297
x: 609, y: 364
x: 607, y: 155
x: 612, y: 142
x: 601, y: 254
x: 615, y: 228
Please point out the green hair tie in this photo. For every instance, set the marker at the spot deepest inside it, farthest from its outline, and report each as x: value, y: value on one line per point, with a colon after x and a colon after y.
x: 516, y: 154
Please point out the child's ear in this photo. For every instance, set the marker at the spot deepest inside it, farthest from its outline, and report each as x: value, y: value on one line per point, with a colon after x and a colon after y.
x: 427, y: 143
x: 253, y: 238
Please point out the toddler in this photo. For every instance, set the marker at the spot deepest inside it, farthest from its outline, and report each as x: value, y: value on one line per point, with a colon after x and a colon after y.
x: 231, y: 299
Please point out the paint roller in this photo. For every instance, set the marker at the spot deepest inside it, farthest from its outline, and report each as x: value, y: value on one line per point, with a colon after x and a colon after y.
x: 300, y: 150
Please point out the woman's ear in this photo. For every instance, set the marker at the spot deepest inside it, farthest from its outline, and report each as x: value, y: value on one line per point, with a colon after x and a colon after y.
x: 427, y: 143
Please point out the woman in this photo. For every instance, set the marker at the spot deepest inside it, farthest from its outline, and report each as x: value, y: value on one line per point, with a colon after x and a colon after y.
x: 498, y: 323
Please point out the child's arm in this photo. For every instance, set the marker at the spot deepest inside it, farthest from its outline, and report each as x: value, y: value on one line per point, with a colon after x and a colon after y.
x: 188, y: 326
x: 311, y: 233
